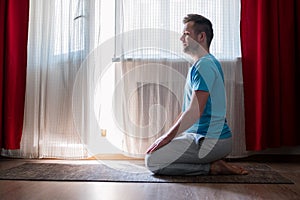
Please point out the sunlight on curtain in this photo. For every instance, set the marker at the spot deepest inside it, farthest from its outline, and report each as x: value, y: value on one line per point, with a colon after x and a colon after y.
x: 89, y: 92
x: 60, y: 37
x: 168, y: 15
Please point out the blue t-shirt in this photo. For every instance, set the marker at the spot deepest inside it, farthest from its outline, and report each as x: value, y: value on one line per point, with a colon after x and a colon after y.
x: 206, y: 75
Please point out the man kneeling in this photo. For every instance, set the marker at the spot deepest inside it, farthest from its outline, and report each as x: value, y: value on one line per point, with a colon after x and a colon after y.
x: 200, y: 138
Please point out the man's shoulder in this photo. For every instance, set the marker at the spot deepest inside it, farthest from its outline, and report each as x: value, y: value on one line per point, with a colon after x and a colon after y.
x: 207, y: 61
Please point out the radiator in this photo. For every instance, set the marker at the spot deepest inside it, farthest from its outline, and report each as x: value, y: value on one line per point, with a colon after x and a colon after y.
x: 143, y: 81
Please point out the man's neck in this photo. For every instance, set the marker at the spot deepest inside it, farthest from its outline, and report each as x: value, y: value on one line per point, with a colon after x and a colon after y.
x: 199, y: 53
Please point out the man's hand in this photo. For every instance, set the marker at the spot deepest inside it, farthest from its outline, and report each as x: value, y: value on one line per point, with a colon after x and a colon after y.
x: 160, y: 142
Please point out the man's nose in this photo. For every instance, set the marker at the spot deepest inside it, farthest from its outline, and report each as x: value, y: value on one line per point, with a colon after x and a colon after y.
x: 182, y: 38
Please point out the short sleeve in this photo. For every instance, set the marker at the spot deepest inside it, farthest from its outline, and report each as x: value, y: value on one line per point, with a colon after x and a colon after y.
x: 203, y: 76
x: 197, y: 82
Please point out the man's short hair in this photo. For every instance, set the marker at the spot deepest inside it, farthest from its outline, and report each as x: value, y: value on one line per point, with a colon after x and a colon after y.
x: 201, y: 24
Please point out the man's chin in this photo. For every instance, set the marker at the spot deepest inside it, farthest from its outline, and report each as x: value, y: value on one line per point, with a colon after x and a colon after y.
x: 186, y: 50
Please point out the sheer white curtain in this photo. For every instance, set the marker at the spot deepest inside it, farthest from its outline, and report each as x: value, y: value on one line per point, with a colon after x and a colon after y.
x: 168, y: 15
x: 153, y: 68
x: 89, y: 92
x: 61, y: 34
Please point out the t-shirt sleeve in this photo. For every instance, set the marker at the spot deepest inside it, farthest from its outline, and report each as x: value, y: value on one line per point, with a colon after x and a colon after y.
x: 203, y: 77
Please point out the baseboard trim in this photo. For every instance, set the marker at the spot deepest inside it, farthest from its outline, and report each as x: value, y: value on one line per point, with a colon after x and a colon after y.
x: 112, y: 157
x: 263, y: 158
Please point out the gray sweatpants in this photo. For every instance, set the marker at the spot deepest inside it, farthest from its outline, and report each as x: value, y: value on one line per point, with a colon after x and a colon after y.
x: 187, y: 154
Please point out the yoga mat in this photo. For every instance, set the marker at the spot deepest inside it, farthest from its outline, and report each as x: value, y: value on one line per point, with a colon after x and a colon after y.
x: 128, y: 172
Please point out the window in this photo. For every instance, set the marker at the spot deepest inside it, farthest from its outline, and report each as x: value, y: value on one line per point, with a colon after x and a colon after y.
x: 70, y: 28
x: 168, y: 14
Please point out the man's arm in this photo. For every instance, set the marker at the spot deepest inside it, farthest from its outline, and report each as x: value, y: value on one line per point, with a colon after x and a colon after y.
x: 185, y: 121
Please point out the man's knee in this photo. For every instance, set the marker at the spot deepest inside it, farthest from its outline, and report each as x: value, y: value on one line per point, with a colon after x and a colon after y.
x: 151, y: 164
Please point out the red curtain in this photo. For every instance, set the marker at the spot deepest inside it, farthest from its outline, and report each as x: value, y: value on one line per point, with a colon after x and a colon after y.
x: 270, y: 56
x: 14, y: 16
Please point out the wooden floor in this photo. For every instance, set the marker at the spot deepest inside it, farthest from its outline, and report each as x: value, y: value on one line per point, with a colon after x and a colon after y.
x: 30, y: 190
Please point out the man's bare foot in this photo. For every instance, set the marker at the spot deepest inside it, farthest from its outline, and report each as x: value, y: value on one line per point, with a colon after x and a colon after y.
x: 221, y: 167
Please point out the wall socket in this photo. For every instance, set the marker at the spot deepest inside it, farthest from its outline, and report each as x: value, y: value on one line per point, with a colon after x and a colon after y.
x: 103, y: 132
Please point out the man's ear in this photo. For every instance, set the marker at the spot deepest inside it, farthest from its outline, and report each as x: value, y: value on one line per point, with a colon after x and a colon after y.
x: 201, y: 37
